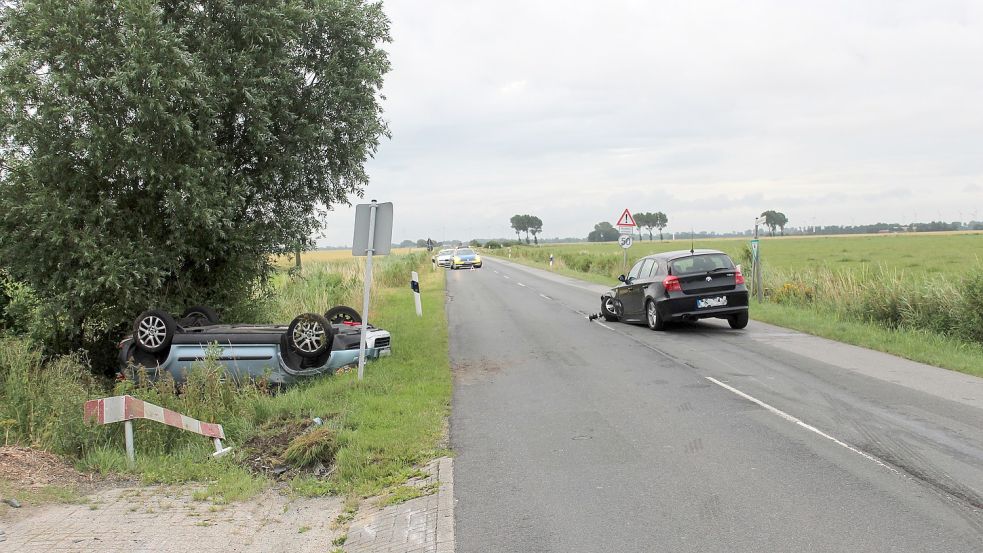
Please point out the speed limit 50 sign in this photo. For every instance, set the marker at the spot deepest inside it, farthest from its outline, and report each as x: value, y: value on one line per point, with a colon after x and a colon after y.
x: 624, y: 241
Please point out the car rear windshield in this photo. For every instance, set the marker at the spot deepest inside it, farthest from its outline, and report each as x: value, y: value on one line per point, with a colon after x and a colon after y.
x: 703, y: 263
x: 465, y: 252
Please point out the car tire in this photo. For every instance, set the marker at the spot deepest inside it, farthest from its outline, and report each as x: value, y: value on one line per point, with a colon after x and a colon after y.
x: 453, y: 267
x: 153, y: 330
x: 738, y: 321
x: 652, y: 316
x: 310, y: 335
x: 608, y: 310
x: 199, y: 315
x: 341, y: 314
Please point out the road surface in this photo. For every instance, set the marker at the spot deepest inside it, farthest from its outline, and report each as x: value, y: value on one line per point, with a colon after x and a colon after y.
x: 576, y: 436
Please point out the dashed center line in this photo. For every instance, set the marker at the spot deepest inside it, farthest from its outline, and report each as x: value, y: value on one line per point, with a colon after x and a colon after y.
x: 506, y: 276
x: 545, y: 297
x: 521, y: 284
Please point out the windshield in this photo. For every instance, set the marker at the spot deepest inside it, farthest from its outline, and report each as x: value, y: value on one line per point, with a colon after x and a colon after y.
x: 701, y: 263
x: 465, y: 251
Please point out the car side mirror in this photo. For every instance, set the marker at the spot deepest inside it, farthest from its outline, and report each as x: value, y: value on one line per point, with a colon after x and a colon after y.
x: 621, y: 278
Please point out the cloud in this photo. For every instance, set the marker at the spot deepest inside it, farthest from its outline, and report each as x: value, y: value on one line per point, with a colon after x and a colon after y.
x: 712, y: 112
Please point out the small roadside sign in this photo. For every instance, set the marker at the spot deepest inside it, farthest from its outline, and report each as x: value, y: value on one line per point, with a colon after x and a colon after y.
x: 373, y: 236
x: 624, y: 241
x: 754, y: 248
x: 626, y: 220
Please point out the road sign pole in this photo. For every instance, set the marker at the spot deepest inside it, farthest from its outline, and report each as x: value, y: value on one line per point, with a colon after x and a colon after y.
x: 367, y: 287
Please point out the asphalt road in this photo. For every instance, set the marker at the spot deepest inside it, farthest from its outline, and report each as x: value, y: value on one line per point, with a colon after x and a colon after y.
x: 576, y: 436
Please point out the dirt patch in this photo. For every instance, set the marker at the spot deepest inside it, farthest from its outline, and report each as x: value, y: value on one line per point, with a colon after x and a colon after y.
x: 478, y: 370
x: 26, y: 468
x: 266, y: 452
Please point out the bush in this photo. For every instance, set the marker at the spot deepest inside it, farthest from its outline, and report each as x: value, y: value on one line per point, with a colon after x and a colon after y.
x: 493, y: 245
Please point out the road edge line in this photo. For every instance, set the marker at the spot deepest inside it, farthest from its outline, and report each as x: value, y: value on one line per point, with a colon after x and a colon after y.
x: 805, y: 425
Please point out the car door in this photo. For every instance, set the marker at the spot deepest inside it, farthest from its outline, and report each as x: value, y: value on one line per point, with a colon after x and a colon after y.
x: 632, y: 294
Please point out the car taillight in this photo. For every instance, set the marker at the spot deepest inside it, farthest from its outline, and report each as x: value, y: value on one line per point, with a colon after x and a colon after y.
x: 671, y: 284
x: 738, y: 277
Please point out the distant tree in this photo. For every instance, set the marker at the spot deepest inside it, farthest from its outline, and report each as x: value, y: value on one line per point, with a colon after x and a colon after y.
x: 645, y: 220
x: 474, y: 243
x: 660, y: 221
x: 519, y: 224
x: 781, y: 220
x: 603, y: 232
x: 535, y: 227
x: 408, y: 244
x: 775, y: 219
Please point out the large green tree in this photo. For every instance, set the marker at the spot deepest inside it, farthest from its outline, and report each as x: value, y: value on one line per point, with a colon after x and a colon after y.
x: 156, y: 152
x: 603, y: 232
x: 535, y: 227
x: 775, y: 219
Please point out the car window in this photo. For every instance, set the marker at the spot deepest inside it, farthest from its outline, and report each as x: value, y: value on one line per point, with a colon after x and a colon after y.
x: 703, y: 263
x: 465, y: 252
x: 646, y: 269
x: 634, y: 272
x: 445, y: 252
x: 654, y: 269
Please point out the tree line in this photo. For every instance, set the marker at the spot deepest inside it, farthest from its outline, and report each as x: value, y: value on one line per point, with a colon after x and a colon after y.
x: 605, y: 231
x: 529, y: 224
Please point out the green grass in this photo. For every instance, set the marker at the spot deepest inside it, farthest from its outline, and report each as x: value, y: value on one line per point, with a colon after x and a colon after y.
x: 924, y: 347
x: 922, y: 254
x: 376, y: 432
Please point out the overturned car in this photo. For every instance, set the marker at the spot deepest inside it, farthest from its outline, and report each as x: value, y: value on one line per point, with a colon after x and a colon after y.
x: 310, y: 345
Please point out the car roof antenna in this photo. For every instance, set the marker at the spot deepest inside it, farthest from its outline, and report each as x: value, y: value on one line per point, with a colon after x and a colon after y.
x: 692, y: 249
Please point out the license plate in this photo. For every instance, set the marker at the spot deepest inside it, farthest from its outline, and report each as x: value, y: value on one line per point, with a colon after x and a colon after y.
x: 719, y: 301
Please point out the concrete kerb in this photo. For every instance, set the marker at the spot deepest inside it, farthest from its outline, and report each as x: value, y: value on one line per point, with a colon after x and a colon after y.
x: 421, y: 525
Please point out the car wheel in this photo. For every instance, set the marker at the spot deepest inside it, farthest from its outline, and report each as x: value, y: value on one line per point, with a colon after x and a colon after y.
x: 341, y: 314
x: 652, y: 316
x: 199, y: 315
x: 310, y: 335
x: 738, y: 321
x: 153, y: 330
x: 609, y: 309
x: 453, y: 267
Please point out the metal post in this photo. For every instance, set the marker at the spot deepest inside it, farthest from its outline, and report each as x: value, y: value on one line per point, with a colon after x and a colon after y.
x: 368, y: 285
x: 130, y: 453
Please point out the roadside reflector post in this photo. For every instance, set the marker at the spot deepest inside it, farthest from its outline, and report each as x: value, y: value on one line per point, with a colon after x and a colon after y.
x: 373, y: 236
x: 415, y: 286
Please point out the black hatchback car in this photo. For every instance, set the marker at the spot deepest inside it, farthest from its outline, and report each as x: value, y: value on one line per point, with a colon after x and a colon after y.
x: 677, y: 286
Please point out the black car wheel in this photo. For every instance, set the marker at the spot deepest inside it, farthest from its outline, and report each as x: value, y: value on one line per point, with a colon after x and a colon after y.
x: 310, y: 335
x: 341, y: 314
x: 738, y: 321
x: 199, y: 315
x: 652, y: 316
x: 609, y: 309
x: 153, y: 330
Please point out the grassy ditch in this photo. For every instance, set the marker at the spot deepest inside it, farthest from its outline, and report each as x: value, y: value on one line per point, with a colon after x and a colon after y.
x: 916, y: 296
x: 372, y: 434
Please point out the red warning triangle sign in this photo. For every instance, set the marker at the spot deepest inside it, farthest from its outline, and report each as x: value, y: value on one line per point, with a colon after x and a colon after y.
x: 626, y: 220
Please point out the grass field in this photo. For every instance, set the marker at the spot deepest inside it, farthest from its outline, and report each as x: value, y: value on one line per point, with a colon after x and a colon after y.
x: 915, y: 295
x: 925, y: 254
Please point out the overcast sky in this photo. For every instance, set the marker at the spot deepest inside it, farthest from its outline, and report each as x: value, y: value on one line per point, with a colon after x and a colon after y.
x: 833, y: 112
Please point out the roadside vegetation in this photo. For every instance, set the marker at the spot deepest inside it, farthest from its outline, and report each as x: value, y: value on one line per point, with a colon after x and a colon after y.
x: 917, y: 296
x: 371, y: 435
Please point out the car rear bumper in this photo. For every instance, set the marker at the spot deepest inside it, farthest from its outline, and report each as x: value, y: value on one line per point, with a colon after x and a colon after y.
x: 721, y: 305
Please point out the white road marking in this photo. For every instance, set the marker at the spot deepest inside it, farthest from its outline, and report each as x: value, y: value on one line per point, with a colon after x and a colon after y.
x: 545, y: 297
x: 506, y: 276
x: 808, y: 427
x: 521, y: 284
x: 496, y: 272
x: 605, y: 326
